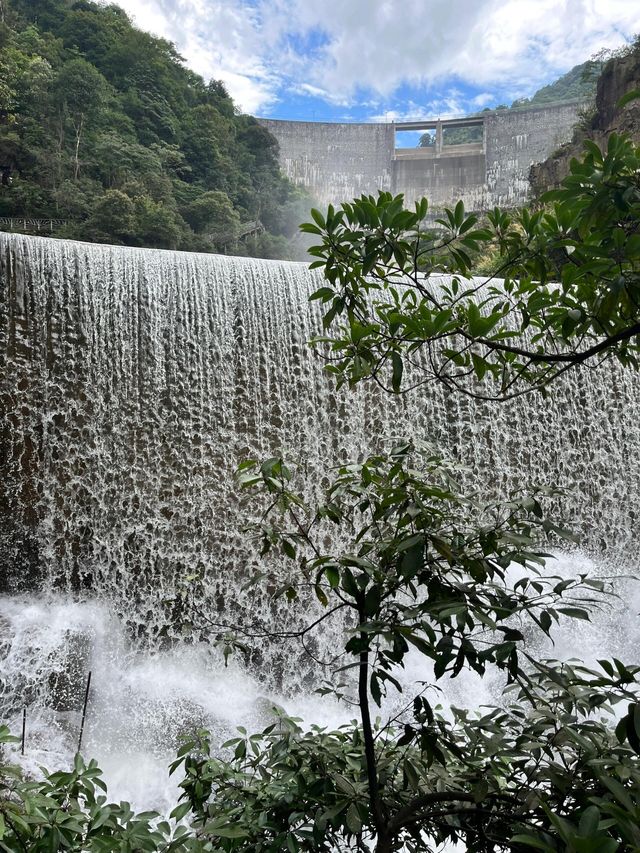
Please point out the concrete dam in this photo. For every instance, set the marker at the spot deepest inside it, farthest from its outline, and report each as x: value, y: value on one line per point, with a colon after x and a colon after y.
x: 337, y: 162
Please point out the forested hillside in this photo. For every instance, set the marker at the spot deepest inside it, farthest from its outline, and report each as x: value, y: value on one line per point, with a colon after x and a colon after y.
x: 578, y: 84
x: 104, y: 128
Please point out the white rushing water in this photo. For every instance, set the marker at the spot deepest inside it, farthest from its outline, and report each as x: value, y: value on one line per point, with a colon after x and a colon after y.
x: 142, y: 700
x: 132, y: 383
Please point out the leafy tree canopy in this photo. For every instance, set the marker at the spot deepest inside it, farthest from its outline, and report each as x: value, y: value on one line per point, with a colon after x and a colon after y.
x: 564, y: 290
x: 426, y: 570
x: 91, y: 106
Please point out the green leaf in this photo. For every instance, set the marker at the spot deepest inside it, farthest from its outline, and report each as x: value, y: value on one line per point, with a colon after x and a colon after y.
x: 318, y: 217
x: 398, y: 367
x: 575, y: 613
x: 479, y: 365
x: 289, y: 549
x: 474, y: 320
x: 323, y: 293
x: 413, y: 778
x: 225, y: 830
x: 333, y: 576
x: 633, y: 95
x: 354, y: 822
x: 532, y: 841
x: 545, y: 621
x: 180, y: 811
x: 589, y: 821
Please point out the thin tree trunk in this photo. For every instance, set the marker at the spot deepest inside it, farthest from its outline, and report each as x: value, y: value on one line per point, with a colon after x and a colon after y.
x: 57, y: 170
x: 76, y: 170
x: 383, y: 843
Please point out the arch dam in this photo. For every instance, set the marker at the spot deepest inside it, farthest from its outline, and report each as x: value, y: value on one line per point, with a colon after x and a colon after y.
x: 337, y: 162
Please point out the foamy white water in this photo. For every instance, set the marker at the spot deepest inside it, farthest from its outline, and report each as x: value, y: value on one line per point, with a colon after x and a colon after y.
x: 141, y: 700
x: 131, y: 384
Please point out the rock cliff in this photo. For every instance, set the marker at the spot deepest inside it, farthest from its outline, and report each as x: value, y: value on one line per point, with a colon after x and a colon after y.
x: 619, y: 76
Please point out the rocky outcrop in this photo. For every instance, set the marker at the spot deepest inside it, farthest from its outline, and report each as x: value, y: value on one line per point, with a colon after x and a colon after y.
x: 619, y: 76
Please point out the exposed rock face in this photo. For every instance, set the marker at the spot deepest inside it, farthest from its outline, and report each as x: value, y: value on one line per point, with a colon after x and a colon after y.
x: 618, y: 77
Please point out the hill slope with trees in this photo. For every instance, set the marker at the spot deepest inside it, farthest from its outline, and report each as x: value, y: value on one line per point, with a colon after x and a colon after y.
x: 615, y: 111
x: 103, y: 128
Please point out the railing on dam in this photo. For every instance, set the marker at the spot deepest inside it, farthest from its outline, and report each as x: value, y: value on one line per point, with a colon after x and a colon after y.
x: 435, y: 123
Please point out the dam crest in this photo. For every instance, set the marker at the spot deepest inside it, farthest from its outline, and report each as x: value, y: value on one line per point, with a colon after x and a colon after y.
x: 337, y: 162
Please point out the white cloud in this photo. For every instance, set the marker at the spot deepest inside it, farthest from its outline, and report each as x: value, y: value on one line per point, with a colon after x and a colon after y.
x: 451, y: 106
x: 318, y: 92
x: 339, y: 50
x: 219, y: 39
x: 482, y: 99
x: 379, y: 45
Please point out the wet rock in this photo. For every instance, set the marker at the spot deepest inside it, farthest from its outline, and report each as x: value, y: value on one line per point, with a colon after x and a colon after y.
x: 67, y: 683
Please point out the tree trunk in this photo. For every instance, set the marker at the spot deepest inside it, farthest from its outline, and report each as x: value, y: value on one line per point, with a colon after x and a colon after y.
x: 384, y: 841
x: 76, y: 170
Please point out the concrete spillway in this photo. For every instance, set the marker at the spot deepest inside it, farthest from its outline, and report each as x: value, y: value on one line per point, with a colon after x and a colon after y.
x: 132, y: 383
x: 134, y: 380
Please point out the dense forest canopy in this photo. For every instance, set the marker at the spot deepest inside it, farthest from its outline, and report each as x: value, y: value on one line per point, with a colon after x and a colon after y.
x: 104, y: 128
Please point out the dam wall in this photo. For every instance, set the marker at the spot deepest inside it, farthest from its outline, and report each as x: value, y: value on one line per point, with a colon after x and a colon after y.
x: 337, y: 162
x: 515, y: 140
x: 443, y: 177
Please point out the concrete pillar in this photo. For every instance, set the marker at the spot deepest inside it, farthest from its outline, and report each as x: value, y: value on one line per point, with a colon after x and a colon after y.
x: 438, y: 137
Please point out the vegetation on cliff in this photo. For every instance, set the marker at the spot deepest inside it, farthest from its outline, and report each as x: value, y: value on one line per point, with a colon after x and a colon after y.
x: 611, y: 111
x: 103, y: 128
x: 578, y: 84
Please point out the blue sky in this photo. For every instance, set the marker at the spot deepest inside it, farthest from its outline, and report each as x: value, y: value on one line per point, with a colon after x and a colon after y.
x: 384, y: 60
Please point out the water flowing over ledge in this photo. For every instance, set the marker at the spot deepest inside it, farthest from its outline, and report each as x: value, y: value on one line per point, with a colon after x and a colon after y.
x: 132, y: 381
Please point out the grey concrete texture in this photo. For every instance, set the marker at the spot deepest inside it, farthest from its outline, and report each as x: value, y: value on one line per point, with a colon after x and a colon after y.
x: 337, y: 162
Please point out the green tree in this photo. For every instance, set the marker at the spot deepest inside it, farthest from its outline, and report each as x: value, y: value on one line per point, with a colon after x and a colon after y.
x: 87, y: 98
x: 68, y: 811
x: 212, y: 213
x: 113, y: 218
x: 428, y: 569
x: 453, y: 136
x: 405, y: 562
x: 424, y: 569
x: 156, y: 226
x: 570, y: 292
x: 80, y: 92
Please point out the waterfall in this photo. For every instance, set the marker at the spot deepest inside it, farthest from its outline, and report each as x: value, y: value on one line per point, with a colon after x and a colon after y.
x: 133, y: 381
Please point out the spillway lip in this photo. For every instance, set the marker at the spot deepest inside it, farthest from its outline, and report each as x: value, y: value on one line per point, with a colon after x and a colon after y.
x: 248, y: 259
